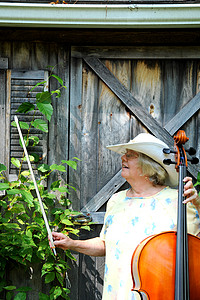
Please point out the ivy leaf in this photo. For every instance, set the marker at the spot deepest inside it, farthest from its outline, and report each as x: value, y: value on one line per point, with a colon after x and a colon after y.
x: 49, y: 277
x: 4, y: 186
x: 58, y: 92
x: 60, y: 278
x: 25, y: 173
x: 44, y: 97
x: 15, y: 162
x: 13, y: 192
x: 24, y: 289
x: 40, y: 124
x: 86, y: 227
x: 9, y: 287
x: 46, y: 109
x: 58, y: 168
x: 43, y: 296
x: 20, y: 296
x: 71, y: 163
x: 198, y: 177
x: 11, y: 225
x: 44, y: 168
x: 66, y: 222
x: 36, y: 157
x: 2, y: 168
x: 69, y: 255
x: 31, y: 158
x: 9, y: 295
x: 23, y: 125
x: 57, y: 292
x: 35, y: 140
x: 58, y: 78
x: 55, y: 184
x: 26, y: 107
x: 39, y: 83
x: 26, y: 141
x: 61, y: 189
x: 27, y: 196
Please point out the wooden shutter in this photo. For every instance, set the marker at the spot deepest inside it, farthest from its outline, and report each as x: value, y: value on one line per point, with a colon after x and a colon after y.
x: 19, y: 85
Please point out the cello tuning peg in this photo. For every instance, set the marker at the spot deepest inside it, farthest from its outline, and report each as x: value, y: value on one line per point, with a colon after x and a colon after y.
x: 191, y: 151
x: 194, y: 160
x: 168, y: 162
x: 168, y: 151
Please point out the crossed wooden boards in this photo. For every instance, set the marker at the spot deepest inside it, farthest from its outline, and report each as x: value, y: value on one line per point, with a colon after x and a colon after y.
x: 145, y: 118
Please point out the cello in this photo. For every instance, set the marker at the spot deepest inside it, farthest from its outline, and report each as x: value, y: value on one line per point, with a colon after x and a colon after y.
x: 166, y: 266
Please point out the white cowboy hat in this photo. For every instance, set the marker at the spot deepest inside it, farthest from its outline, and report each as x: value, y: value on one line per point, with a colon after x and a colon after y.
x: 152, y: 147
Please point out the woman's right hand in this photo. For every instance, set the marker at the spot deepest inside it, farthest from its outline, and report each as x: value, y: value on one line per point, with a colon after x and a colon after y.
x: 93, y: 247
x: 60, y: 240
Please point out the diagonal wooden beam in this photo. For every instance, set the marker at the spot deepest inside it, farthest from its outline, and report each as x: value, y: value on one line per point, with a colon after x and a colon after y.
x: 183, y: 115
x: 104, y: 194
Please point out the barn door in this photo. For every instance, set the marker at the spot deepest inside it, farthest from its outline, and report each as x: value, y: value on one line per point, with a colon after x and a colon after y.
x: 116, y: 93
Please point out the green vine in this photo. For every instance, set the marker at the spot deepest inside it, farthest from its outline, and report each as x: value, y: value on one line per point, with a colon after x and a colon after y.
x: 23, y: 233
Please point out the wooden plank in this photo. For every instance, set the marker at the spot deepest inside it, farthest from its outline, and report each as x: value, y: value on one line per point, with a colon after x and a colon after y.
x: 179, y: 86
x: 21, y: 55
x: 127, y: 98
x: 114, y: 122
x: 7, y: 119
x: 147, y: 86
x: 74, y: 148
x: 135, y: 107
x: 97, y: 217
x: 183, y: 115
x: 75, y: 129
x: 2, y: 119
x: 39, y: 74
x: 131, y: 52
x: 104, y: 194
x: 89, y: 135
x: 3, y: 63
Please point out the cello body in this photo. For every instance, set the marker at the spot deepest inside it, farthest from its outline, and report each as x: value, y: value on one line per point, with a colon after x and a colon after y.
x: 153, y: 267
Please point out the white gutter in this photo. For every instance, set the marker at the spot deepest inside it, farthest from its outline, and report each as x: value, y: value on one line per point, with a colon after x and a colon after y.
x: 100, y: 16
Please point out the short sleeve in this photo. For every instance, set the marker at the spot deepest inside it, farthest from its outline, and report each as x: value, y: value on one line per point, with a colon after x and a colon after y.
x: 110, y: 204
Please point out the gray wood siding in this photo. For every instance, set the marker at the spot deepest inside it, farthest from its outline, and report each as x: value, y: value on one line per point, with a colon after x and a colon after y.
x: 113, y: 93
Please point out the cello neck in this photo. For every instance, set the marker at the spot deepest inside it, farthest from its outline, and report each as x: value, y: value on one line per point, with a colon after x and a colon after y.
x: 182, y: 269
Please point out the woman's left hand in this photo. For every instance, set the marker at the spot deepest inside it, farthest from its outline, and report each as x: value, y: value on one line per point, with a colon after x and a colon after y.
x: 190, y: 193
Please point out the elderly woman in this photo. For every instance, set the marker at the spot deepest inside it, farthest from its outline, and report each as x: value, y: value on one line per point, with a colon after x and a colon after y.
x: 148, y: 207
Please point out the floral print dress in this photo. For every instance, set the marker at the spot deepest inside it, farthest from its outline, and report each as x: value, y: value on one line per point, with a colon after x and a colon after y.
x: 127, y: 222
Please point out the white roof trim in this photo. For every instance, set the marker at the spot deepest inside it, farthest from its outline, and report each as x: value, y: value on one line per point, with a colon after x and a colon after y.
x: 100, y: 16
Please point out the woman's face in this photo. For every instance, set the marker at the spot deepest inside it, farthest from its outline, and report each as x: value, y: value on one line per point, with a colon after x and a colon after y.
x: 130, y: 167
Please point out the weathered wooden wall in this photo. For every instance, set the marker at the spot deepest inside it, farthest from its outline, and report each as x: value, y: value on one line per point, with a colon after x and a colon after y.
x: 114, y: 92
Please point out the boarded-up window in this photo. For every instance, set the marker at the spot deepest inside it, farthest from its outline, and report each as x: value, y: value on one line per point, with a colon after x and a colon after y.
x: 19, y: 87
